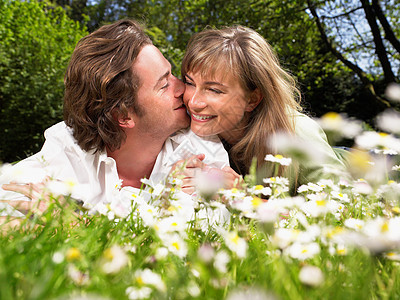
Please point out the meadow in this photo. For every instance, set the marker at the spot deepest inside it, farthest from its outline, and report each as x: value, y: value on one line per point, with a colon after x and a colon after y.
x: 335, y: 239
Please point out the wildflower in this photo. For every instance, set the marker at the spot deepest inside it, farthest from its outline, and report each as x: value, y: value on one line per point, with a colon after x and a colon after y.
x: 172, y: 224
x: 209, y: 182
x: 341, y: 249
x: 260, y: 189
x: 284, y: 161
x: 396, y: 168
x: 73, y: 254
x: 393, y: 92
x: 283, y: 237
x: 58, y: 187
x: 277, y: 181
x: 268, y: 212
x: 355, y: 224
x: 221, y: 261
x: 120, y: 208
x: 250, y: 293
x: 148, y: 277
x: 193, y: 289
x: 148, y: 213
x: 319, y: 205
x: 389, y: 121
x: 339, y: 125
x: 183, y: 207
x: 302, y: 251
x: 312, y: 187
x: 279, y: 185
x: 387, y: 229
x: 78, y: 277
x: 233, y: 193
x: 362, y: 187
x: 161, y: 253
x: 58, y: 257
x: 114, y: 259
x: 390, y: 192
x: 340, y: 196
x: 392, y: 255
x: 311, y: 276
x: 246, y: 205
x: 134, y: 293
x: 373, y: 140
x: 175, y: 244
x: 235, y: 243
x: 206, y: 253
x: 296, y: 148
x: 21, y: 175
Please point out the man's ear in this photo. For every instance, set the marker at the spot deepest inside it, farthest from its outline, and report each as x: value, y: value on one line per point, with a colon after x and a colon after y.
x: 125, y: 121
x: 255, y: 99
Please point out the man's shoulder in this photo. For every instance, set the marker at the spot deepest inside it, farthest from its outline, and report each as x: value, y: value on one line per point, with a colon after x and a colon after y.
x: 58, y: 130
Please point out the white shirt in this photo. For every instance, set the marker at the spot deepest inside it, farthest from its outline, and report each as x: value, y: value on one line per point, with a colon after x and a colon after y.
x: 95, y: 174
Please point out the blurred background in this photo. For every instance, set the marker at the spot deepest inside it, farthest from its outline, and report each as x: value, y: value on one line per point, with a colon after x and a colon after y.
x: 343, y: 53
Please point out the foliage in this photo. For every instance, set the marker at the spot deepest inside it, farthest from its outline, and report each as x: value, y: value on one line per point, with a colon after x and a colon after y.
x: 36, y: 42
x: 334, y: 238
x: 325, y: 83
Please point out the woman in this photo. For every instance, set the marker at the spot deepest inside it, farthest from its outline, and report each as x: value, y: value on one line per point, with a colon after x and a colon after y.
x: 236, y: 88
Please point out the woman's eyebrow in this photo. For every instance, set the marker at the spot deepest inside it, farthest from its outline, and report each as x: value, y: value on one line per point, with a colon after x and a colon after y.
x: 206, y: 82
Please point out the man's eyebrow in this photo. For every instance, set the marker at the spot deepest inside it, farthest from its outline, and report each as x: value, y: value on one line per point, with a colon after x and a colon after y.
x: 207, y: 82
x: 166, y: 74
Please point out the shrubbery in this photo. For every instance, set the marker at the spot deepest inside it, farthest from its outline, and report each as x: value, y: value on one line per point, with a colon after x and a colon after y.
x: 36, y: 43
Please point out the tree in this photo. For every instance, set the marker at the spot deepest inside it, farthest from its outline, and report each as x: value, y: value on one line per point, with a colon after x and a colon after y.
x: 37, y: 41
x: 375, y: 38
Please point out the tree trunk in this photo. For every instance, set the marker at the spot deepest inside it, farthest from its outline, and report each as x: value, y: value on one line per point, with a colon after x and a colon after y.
x: 368, y: 84
x: 380, y: 49
x: 389, y: 34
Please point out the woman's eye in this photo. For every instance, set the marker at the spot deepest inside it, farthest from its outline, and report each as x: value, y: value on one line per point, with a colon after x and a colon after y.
x: 216, y: 91
x: 165, y: 86
x: 189, y: 83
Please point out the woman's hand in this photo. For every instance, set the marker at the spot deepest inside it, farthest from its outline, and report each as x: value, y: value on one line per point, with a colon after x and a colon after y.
x: 231, y: 178
x: 186, y: 170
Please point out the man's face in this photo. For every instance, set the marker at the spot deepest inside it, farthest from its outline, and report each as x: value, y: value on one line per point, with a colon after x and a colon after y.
x: 159, y: 95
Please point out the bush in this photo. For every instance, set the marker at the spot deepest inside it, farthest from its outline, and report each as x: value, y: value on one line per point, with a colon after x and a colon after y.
x: 36, y: 43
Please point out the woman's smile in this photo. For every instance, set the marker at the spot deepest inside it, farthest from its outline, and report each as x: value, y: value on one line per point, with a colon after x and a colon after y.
x: 202, y: 118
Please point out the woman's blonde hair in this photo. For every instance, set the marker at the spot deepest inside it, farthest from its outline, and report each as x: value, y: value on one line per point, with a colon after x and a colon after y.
x: 249, y: 58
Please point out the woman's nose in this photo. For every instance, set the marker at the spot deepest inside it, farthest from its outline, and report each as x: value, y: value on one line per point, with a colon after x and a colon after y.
x: 196, y: 101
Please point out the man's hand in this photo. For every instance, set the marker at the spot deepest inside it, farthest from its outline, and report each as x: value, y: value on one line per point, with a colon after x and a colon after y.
x: 40, y: 197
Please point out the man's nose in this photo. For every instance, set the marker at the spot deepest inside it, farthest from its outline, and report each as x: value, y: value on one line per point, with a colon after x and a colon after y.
x: 179, y: 87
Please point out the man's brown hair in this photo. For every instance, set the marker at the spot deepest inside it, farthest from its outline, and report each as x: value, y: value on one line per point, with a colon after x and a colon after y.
x: 100, y: 85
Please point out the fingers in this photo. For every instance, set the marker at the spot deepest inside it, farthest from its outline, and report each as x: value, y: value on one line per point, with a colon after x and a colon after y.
x: 188, y: 167
x: 195, y: 161
x: 189, y: 190
x: 29, y: 190
x: 232, y: 179
x: 35, y: 192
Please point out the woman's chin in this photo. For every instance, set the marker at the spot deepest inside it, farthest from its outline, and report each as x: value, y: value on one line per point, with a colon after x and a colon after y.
x: 202, y: 133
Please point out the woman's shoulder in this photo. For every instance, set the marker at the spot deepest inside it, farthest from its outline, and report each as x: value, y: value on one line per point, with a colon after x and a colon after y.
x: 305, y: 126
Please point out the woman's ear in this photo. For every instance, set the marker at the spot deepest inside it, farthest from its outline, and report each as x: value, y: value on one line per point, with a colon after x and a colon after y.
x: 255, y: 99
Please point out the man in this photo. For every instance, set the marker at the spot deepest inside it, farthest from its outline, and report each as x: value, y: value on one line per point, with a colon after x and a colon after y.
x: 121, y: 106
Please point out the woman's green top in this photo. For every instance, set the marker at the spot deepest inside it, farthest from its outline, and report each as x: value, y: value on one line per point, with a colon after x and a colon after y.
x: 326, y: 162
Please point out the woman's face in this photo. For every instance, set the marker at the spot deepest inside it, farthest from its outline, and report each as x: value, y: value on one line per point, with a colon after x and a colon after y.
x: 216, y: 105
